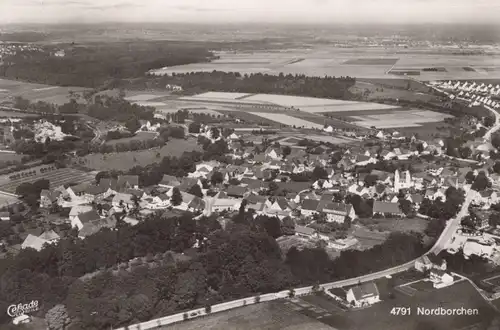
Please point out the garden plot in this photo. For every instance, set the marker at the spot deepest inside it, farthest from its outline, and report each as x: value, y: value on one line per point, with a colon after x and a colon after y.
x: 288, y: 120
x: 348, y: 106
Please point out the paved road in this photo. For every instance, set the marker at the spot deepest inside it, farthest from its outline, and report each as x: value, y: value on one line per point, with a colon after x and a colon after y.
x: 451, y: 227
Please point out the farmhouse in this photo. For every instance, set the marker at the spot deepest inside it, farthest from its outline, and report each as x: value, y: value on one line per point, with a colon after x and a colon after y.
x: 363, y: 295
x: 337, y: 212
x: 440, y: 278
x: 386, y: 209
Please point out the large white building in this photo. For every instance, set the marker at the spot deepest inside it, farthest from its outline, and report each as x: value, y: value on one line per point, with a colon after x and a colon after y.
x: 402, y: 181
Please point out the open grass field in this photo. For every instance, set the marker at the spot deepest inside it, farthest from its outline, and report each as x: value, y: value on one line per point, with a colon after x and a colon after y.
x: 126, y: 160
x: 400, y: 225
x: 273, y: 315
x: 410, y: 118
x: 37, y: 92
x: 8, y: 156
x: 368, y: 238
x: 15, y: 114
x: 218, y: 95
x: 361, y: 62
x: 351, y: 106
x: 142, y: 136
x: 378, y: 316
x: 289, y: 120
x: 56, y: 177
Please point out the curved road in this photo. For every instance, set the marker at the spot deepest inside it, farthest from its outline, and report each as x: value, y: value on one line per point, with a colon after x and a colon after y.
x: 451, y: 227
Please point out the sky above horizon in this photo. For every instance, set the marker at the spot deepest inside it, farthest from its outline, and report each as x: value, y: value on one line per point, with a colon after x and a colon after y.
x: 234, y: 11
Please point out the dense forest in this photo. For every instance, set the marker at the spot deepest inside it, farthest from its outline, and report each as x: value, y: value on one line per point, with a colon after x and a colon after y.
x: 96, y: 65
x: 299, y: 85
x: 242, y: 260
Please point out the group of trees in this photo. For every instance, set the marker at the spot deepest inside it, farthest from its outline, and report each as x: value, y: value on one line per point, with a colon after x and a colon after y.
x: 30, y: 192
x: 301, y: 85
x: 101, y: 64
x: 437, y: 209
x: 242, y: 260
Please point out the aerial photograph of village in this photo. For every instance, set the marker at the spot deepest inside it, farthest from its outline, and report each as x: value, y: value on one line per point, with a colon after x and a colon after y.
x: 242, y: 166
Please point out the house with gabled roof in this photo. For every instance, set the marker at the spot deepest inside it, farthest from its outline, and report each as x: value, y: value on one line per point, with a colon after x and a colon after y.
x: 169, y: 181
x: 364, y: 294
x: 273, y: 153
x: 78, y: 209
x: 128, y: 181
x: 236, y: 191
x: 50, y: 236
x: 387, y: 155
x: 305, y: 232
x: 362, y: 160
x: 280, y: 204
x: 196, y: 204
x: 34, y: 242
x: 386, y: 209
x: 95, y: 193
x: 49, y: 197
x: 309, y: 207
x: 337, y: 212
x: 225, y: 204
x: 77, y: 190
x: 83, y: 218
x: 94, y: 226
x: 122, y: 201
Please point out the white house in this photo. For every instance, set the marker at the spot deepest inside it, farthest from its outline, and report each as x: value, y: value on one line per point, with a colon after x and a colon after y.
x: 226, y: 204
x: 34, y: 242
x: 123, y: 201
x: 440, y: 278
x: 337, y: 212
x: 363, y: 295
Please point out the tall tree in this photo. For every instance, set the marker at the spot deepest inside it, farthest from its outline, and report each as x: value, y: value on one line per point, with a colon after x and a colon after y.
x: 176, y: 198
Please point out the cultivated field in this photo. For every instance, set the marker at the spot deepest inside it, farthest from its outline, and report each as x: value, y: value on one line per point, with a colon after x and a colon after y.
x: 411, y: 118
x: 273, y: 315
x: 37, y: 92
x: 288, y: 120
x: 219, y: 95
x: 292, y: 101
x: 351, y: 106
x: 126, y: 160
x: 362, y: 62
x: 56, y: 177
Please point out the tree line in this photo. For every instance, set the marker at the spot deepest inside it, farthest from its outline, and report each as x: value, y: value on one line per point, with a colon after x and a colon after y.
x: 299, y: 85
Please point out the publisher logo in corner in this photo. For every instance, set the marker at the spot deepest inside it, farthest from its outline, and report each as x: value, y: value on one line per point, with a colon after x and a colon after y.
x: 20, y: 309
